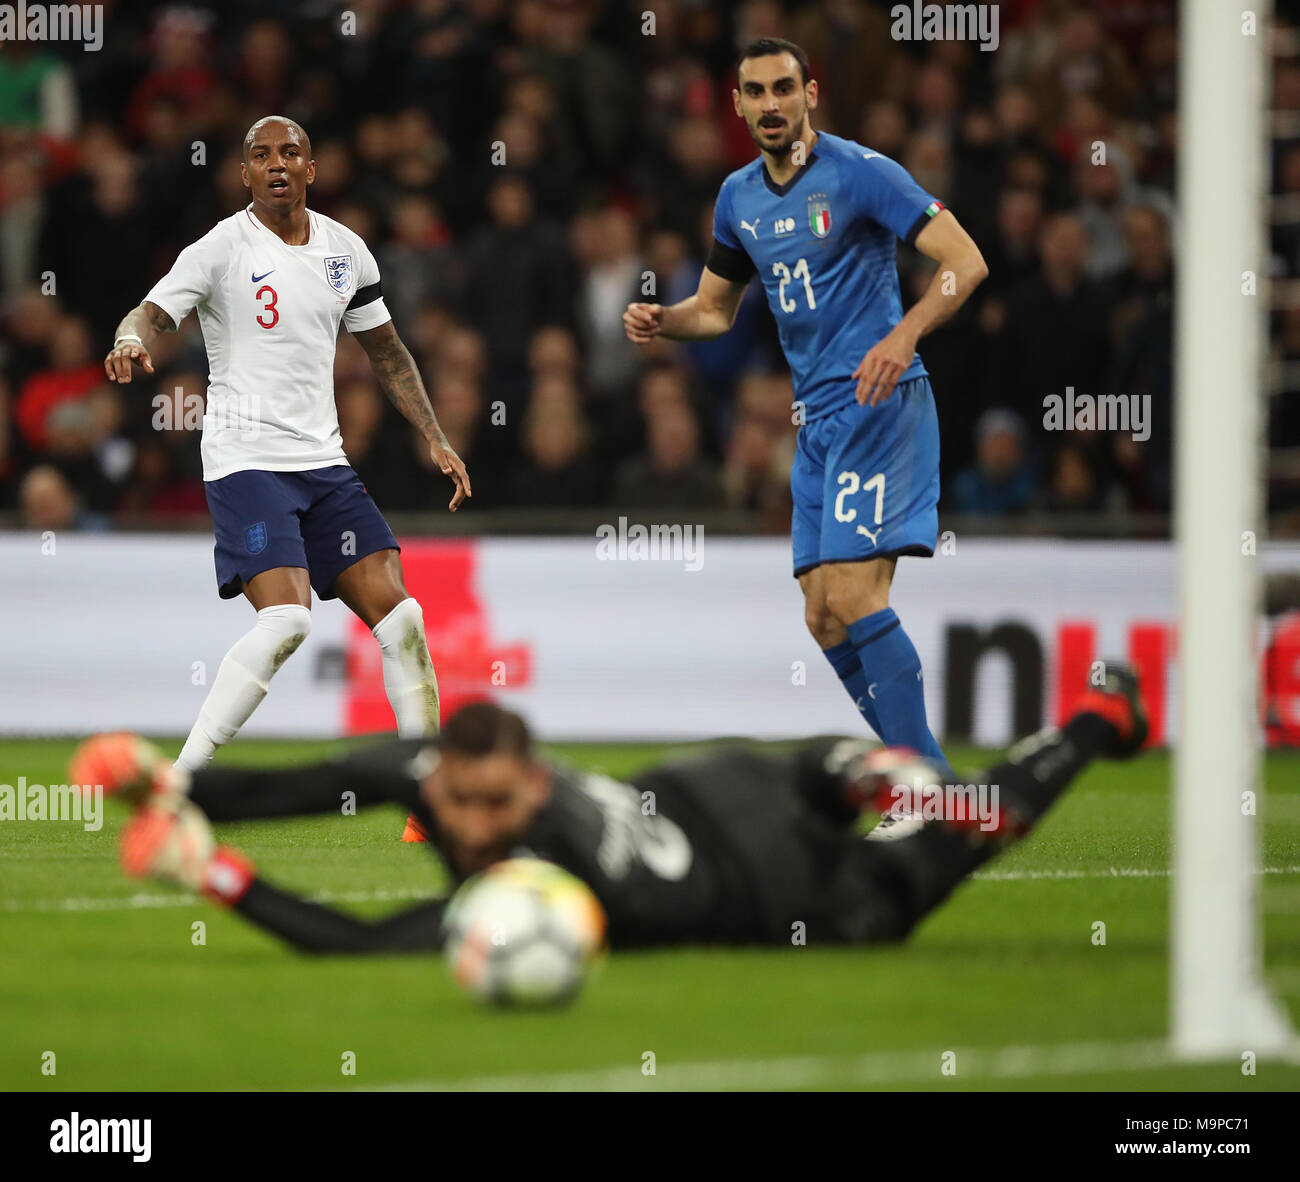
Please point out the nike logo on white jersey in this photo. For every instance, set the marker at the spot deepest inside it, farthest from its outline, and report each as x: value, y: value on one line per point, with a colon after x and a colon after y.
x: 866, y: 533
x: 263, y: 275
x: 744, y: 225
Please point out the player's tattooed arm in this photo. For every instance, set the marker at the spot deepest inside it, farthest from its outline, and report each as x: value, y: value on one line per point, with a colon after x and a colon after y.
x: 140, y: 327
x: 961, y: 270
x: 398, y: 377
x: 395, y: 370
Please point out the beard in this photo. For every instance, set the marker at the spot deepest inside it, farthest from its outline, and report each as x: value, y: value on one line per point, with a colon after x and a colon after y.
x: 782, y: 145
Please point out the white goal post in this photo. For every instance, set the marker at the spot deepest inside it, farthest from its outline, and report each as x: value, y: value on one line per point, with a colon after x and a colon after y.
x: 1219, y: 1006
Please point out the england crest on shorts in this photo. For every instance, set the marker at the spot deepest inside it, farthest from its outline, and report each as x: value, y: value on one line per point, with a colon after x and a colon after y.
x: 819, y: 215
x: 338, y: 270
x: 255, y: 537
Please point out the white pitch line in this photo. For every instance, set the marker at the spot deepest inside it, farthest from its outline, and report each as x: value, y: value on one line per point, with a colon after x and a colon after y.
x: 816, y: 1071
x: 1111, y: 872
x: 143, y: 901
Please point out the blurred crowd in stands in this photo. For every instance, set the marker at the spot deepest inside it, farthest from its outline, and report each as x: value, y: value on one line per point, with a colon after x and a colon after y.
x: 518, y: 168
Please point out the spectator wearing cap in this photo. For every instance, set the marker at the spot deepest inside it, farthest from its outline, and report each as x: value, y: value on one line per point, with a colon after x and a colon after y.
x: 1001, y: 481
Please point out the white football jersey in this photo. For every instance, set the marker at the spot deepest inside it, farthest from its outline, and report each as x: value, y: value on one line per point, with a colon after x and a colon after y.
x: 270, y: 315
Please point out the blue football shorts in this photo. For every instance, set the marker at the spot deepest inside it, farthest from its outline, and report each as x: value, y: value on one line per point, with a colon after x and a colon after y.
x: 865, y: 481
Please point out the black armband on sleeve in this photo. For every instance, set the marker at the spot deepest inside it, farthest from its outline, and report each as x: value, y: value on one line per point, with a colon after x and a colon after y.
x: 922, y: 221
x: 732, y: 264
x: 366, y: 295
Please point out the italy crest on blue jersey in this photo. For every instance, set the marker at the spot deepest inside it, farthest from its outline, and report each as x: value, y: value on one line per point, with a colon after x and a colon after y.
x: 819, y: 215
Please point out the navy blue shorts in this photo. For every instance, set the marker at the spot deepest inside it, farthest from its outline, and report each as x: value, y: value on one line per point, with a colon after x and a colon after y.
x: 322, y: 519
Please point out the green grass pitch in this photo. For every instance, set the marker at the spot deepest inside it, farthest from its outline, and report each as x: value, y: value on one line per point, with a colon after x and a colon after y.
x: 1007, y: 977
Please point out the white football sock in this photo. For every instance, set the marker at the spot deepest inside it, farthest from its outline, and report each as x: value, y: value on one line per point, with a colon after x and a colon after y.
x: 242, y: 680
x: 409, y: 680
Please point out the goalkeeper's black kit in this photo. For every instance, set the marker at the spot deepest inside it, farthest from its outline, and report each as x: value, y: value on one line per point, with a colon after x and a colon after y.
x: 741, y: 844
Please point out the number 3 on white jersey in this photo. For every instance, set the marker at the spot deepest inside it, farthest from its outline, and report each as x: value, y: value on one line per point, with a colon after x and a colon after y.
x: 850, y: 485
x: 269, y: 309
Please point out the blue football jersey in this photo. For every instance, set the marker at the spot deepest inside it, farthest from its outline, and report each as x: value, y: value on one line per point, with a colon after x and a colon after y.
x: 825, y: 246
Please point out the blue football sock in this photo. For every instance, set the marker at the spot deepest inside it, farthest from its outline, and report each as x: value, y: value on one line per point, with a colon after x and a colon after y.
x: 845, y: 661
x: 892, y: 671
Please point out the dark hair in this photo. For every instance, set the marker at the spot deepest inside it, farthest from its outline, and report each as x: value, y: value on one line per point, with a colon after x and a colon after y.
x: 484, y: 728
x: 766, y: 46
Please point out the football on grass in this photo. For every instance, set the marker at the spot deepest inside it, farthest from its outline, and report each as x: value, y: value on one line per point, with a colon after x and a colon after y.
x: 523, y: 933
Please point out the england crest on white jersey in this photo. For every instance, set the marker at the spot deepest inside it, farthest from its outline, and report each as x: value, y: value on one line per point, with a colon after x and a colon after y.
x: 338, y: 270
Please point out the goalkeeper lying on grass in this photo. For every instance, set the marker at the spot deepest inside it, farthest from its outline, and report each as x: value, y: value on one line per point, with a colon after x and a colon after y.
x: 744, y: 843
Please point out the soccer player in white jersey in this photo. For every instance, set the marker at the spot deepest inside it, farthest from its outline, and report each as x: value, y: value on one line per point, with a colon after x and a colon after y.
x: 272, y: 283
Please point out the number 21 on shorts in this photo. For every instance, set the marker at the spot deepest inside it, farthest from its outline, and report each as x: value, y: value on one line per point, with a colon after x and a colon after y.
x: 850, y: 486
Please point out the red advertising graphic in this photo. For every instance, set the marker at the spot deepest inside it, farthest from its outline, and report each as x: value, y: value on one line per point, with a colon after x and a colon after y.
x: 470, y: 661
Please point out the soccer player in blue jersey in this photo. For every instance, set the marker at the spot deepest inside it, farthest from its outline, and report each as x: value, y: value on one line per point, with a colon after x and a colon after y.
x: 818, y: 218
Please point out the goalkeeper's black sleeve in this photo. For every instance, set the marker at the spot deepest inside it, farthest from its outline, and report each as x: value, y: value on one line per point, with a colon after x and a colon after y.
x: 387, y: 773
x: 313, y: 927
x: 377, y: 775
